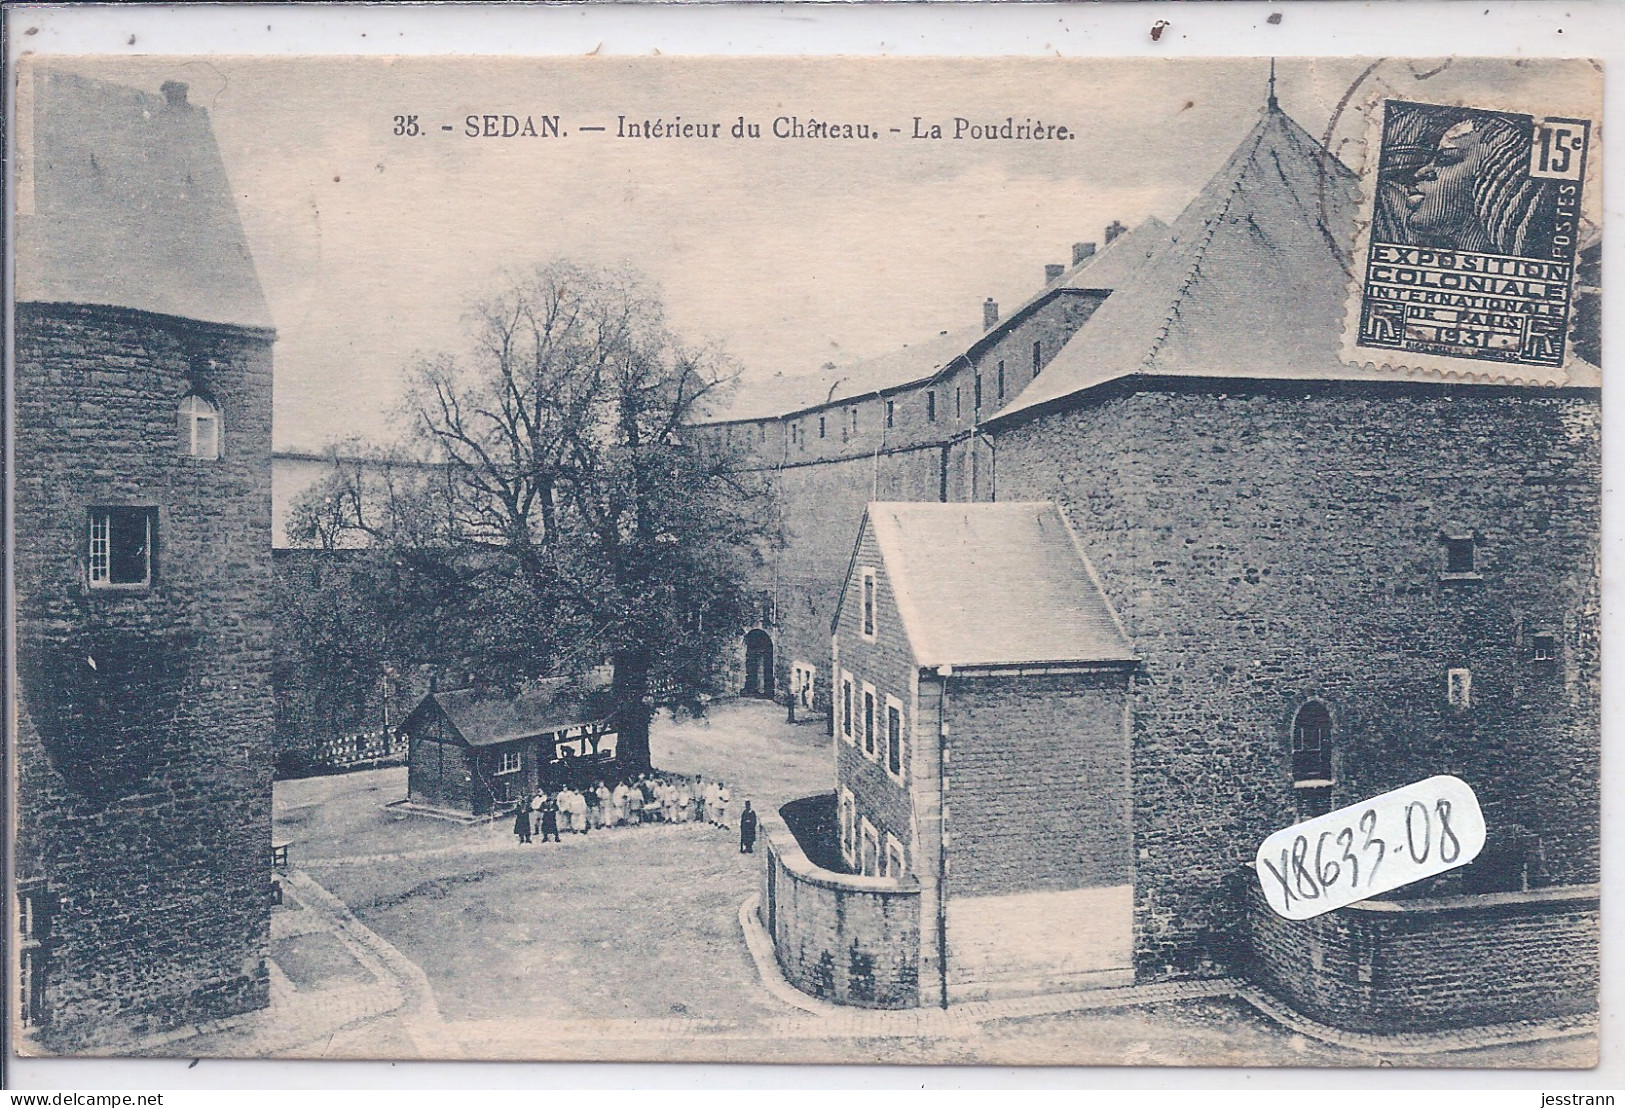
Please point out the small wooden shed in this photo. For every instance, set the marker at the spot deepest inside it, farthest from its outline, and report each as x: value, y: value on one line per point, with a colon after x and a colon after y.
x: 478, y: 752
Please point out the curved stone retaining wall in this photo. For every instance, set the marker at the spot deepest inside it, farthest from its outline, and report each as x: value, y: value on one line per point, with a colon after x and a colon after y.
x: 842, y: 938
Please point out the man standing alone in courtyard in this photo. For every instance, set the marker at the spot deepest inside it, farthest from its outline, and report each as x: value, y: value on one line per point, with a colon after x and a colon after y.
x: 747, y: 830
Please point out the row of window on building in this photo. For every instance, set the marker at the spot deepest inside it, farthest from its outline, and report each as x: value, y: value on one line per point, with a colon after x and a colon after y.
x: 872, y: 723
x: 865, y: 847
x: 849, y: 417
x: 803, y: 683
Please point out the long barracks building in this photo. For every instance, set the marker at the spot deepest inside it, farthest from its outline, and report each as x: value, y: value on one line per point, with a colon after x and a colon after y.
x: 1334, y: 580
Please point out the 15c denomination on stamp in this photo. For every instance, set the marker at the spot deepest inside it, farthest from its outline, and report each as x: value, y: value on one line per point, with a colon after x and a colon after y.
x: 1475, y: 223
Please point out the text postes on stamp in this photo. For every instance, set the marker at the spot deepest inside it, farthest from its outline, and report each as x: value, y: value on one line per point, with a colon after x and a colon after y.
x: 1475, y: 222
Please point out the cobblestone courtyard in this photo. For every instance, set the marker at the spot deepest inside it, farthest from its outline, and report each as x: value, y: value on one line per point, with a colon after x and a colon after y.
x: 414, y: 937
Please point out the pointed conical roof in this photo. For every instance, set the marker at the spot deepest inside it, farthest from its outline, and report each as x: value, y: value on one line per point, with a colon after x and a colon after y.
x: 128, y: 205
x: 1252, y: 281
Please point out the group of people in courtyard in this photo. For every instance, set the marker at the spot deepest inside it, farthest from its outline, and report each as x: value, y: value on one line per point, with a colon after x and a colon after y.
x: 646, y: 798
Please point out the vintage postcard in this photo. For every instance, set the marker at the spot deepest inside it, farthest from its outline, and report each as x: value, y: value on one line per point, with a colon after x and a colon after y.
x: 1007, y: 561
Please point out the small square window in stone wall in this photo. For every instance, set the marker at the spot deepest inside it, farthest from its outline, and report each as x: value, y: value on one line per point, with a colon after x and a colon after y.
x: 121, y: 547
x: 1459, y: 688
x: 1460, y: 556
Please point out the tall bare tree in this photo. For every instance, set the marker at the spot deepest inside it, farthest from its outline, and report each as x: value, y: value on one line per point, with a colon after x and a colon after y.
x: 567, y: 433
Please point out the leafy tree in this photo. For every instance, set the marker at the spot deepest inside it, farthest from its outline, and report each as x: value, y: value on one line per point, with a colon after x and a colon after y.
x: 575, y: 514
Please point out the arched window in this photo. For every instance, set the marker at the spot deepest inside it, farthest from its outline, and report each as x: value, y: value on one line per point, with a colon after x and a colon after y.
x: 1312, y: 759
x: 199, y: 427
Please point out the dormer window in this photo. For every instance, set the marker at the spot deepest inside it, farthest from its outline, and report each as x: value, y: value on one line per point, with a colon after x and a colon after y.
x: 198, y: 424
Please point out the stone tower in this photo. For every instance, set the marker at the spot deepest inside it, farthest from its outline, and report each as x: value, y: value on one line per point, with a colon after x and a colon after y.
x: 143, y: 565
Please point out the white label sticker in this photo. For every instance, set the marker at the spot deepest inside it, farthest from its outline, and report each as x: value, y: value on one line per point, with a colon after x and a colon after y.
x: 1369, y: 848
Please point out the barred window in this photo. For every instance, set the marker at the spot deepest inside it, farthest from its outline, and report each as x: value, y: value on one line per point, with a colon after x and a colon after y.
x: 848, y: 826
x: 895, y: 866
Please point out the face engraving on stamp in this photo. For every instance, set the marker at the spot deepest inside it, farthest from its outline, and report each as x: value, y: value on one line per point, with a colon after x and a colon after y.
x: 1475, y: 223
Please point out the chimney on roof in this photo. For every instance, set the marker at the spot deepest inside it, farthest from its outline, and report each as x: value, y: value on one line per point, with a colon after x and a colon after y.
x: 1052, y: 273
x: 990, y: 314
x: 1082, y: 251
x: 174, y: 92
x: 1113, y: 230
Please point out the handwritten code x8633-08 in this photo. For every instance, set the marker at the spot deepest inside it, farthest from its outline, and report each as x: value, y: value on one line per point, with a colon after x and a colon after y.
x: 1371, y: 847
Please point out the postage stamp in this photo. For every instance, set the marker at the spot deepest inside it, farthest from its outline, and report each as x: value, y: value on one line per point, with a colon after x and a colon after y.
x: 1475, y: 224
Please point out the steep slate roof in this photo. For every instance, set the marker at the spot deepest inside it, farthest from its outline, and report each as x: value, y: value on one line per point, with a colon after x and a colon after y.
x: 784, y: 394
x: 994, y: 584
x: 125, y: 203
x: 1250, y: 283
x: 1113, y: 264
x: 485, y: 719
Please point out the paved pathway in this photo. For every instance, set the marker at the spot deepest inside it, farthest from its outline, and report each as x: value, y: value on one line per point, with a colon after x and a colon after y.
x: 434, y: 922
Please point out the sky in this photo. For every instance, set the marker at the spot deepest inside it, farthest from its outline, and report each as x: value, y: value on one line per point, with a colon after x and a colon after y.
x: 788, y: 253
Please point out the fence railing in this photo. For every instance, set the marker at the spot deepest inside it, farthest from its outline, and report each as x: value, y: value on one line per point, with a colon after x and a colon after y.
x: 341, y: 751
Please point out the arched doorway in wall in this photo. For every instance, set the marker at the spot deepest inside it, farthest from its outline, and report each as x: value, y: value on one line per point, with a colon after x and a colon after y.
x: 758, y: 663
x: 1312, y: 759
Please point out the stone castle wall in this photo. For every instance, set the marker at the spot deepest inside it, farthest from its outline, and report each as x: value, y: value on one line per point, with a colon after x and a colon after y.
x: 1269, y: 545
x: 843, y: 938
x: 1421, y: 965
x: 145, y: 714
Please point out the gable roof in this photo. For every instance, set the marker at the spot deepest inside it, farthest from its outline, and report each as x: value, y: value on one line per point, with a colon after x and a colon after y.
x: 486, y: 719
x: 994, y: 584
x: 123, y: 202
x: 783, y: 395
x: 1251, y: 282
